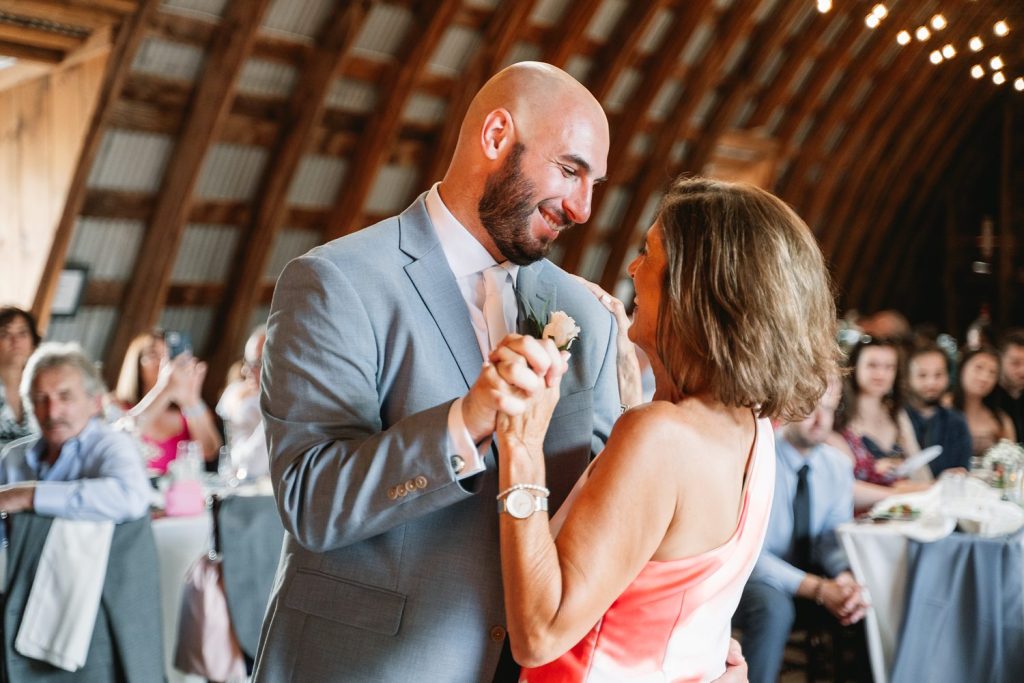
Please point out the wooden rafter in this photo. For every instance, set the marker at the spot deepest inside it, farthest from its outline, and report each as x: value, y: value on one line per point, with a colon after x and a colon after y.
x: 126, y: 44
x: 211, y: 103
x: 303, y: 116
x: 371, y: 154
x: 633, y: 118
x: 564, y: 40
x: 765, y: 40
x: 826, y: 118
x: 500, y: 33
x: 38, y: 37
x: 85, y: 14
x: 732, y: 26
x: 618, y: 51
x: 861, y: 152
x: 923, y: 170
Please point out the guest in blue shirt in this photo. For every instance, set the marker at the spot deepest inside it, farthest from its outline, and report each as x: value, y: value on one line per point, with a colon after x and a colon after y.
x: 801, y: 562
x: 934, y: 424
x: 78, y: 468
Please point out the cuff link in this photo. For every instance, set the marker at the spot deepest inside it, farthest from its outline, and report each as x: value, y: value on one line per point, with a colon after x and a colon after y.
x: 458, y: 464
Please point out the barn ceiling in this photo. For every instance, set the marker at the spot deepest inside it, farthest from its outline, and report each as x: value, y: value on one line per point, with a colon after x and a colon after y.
x: 232, y: 135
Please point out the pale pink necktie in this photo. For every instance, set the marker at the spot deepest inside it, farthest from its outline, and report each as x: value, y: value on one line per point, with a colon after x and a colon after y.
x: 499, y: 301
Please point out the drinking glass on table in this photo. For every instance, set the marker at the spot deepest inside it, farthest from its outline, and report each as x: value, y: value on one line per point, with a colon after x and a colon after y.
x: 231, y: 472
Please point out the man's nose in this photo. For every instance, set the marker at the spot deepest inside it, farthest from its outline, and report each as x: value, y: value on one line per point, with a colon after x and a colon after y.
x: 577, y: 205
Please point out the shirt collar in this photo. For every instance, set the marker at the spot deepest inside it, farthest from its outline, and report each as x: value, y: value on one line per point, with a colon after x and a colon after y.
x: 464, y: 253
x: 35, y: 457
x: 792, y: 458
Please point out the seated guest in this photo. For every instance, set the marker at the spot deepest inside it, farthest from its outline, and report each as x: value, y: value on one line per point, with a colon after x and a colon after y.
x: 79, y: 468
x: 975, y: 396
x: 875, y: 430
x: 1009, y: 394
x: 18, y: 339
x: 801, y: 562
x: 239, y: 407
x: 164, y: 398
x: 935, y: 424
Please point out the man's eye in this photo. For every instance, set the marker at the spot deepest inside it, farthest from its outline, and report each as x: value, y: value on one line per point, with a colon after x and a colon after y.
x: 568, y: 171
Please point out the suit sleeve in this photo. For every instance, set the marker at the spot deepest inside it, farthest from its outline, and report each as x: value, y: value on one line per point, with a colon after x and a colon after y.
x: 339, y: 476
x: 607, y: 407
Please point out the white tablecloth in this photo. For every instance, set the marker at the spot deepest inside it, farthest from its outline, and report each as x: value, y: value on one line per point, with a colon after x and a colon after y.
x: 179, y: 542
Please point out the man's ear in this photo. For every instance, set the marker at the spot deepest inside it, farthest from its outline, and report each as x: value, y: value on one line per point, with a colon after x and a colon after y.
x: 497, y: 133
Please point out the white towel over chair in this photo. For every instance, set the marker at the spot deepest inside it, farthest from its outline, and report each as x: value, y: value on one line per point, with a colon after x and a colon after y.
x: 61, y: 610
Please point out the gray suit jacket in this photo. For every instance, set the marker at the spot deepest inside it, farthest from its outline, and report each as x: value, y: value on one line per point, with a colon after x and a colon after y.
x: 369, y: 343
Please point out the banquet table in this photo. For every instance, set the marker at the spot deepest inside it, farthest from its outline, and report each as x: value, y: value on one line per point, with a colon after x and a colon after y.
x: 948, y: 609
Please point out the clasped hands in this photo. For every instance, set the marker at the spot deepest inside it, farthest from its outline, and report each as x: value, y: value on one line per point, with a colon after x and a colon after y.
x: 844, y: 598
x: 517, y: 389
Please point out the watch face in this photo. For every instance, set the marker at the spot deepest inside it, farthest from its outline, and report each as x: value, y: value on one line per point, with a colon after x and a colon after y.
x: 520, y: 504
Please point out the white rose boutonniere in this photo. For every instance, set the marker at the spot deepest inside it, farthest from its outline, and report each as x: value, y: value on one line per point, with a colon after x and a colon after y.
x: 561, y: 329
x: 557, y: 326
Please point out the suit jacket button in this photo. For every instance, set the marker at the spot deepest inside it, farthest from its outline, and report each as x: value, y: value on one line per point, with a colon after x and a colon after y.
x: 410, y: 486
x: 421, y: 482
x: 392, y: 493
x: 458, y: 464
x: 400, y: 489
x: 497, y: 634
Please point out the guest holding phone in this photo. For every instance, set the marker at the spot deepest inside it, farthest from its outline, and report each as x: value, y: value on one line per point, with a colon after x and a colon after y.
x: 161, y: 386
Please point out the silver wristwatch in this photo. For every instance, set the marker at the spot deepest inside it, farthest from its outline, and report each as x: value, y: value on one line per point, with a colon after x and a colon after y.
x: 521, y: 504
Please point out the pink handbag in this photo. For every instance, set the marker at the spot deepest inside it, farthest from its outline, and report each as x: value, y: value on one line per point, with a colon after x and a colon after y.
x: 207, y: 645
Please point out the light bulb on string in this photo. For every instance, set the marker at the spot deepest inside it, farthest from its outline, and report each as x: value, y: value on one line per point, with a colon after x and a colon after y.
x: 922, y: 33
x: 1001, y: 28
x: 1018, y: 84
x: 978, y: 71
x: 975, y: 44
x: 871, y: 20
x: 880, y: 11
x: 998, y: 78
x: 824, y: 6
x: 935, y: 57
x: 996, y: 63
x: 903, y: 37
x: 939, y: 22
x: 948, y: 51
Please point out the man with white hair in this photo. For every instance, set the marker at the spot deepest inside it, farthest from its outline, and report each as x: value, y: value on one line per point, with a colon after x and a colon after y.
x: 78, y: 468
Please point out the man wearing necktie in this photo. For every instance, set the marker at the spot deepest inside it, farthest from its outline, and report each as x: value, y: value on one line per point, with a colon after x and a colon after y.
x: 378, y: 429
x: 801, y: 562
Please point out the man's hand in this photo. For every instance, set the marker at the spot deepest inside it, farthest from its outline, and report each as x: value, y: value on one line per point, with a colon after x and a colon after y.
x: 17, y: 497
x: 735, y: 665
x: 627, y: 365
x: 855, y: 606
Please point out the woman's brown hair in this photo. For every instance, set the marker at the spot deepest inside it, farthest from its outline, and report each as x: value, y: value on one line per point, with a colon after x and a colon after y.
x: 129, y: 382
x: 748, y: 314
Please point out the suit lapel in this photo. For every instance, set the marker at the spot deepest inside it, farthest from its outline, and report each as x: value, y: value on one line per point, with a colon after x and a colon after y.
x: 536, y: 291
x: 433, y: 279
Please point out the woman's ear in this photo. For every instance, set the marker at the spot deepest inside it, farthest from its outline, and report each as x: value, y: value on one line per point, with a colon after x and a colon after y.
x: 497, y: 133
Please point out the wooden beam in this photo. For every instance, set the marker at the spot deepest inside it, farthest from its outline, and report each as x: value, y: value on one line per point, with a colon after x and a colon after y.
x: 129, y: 37
x: 732, y: 26
x: 372, y: 152
x: 31, y: 52
x: 303, y: 116
x: 210, y: 105
x: 827, y: 117
x: 765, y: 40
x: 634, y: 119
x: 918, y: 174
x: 507, y: 22
x: 38, y: 37
x: 566, y: 39
x: 911, y: 85
x: 71, y: 13
x: 618, y: 52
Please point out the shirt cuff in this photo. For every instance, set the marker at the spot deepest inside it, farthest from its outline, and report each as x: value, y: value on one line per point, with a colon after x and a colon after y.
x: 50, y: 498
x: 461, y: 443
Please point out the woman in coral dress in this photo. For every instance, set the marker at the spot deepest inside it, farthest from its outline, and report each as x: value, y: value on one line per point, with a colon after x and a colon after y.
x: 639, y: 575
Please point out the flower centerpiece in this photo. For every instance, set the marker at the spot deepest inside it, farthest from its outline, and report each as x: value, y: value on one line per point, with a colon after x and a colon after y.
x: 1004, y: 462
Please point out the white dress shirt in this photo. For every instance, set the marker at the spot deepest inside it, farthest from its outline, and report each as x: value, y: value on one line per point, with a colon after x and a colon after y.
x: 468, y: 259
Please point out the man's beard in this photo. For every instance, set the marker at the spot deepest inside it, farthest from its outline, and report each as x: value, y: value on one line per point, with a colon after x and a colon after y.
x: 505, y: 210
x: 928, y: 402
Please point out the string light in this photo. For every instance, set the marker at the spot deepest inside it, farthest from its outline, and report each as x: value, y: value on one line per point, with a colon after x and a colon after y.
x: 922, y: 33
x: 879, y: 11
x: 998, y: 78
x: 1001, y: 28
x: 975, y: 44
x: 935, y: 57
x: 996, y: 63
x: 903, y: 37
x: 948, y: 51
x: 1018, y: 84
x: 824, y: 6
x: 872, y: 21
x: 939, y: 22
x: 977, y: 71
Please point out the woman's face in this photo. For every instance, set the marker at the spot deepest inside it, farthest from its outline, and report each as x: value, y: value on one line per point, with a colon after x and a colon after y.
x: 153, y: 355
x: 648, y: 273
x: 979, y: 375
x: 16, y: 342
x: 876, y: 370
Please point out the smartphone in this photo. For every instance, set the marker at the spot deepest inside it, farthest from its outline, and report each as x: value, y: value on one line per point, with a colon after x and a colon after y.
x: 178, y: 343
